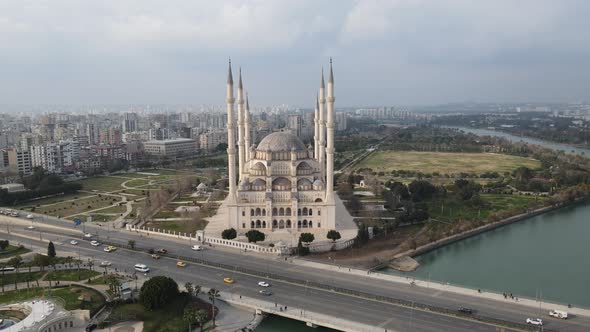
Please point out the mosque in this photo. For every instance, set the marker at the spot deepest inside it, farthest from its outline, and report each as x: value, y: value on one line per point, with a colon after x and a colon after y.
x: 281, y: 187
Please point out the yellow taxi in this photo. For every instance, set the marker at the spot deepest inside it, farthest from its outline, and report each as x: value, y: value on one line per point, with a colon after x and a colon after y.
x: 110, y: 248
x: 181, y: 264
x: 228, y: 280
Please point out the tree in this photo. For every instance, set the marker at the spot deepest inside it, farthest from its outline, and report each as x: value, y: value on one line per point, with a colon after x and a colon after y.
x: 15, y: 262
x: 190, y: 317
x: 255, y: 236
x: 4, y: 244
x: 196, y: 290
x: 306, y: 237
x: 2, y: 266
x: 421, y: 190
x: 213, y: 294
x: 221, y: 147
x: 131, y: 244
x: 51, y: 250
x: 229, y: 234
x: 41, y: 261
x: 201, y: 317
x: 157, y: 292
x: 189, y: 288
x: 333, y: 235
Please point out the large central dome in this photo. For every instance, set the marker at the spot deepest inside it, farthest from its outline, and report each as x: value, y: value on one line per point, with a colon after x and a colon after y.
x: 281, y: 141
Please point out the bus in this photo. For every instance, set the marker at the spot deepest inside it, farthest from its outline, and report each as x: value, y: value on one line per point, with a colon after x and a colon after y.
x: 142, y: 268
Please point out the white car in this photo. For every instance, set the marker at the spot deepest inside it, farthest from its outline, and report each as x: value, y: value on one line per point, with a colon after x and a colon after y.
x: 73, y: 242
x: 30, y: 216
x: 95, y: 243
x: 263, y: 284
x: 31, y: 227
x: 197, y: 247
x: 87, y: 235
x: 105, y: 263
x: 558, y: 314
x: 534, y: 321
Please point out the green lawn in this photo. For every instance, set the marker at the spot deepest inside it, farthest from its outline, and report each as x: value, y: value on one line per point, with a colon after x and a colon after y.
x: 78, y: 206
x: 445, y: 163
x: 20, y: 295
x: 114, y: 209
x: 102, y: 183
x: 71, y: 275
x: 50, y: 200
x: 9, y: 278
x: 102, y: 281
x: 7, y: 252
x: 137, y: 183
x: 168, y: 319
x: 70, y: 296
x: 451, y: 209
x: 167, y: 214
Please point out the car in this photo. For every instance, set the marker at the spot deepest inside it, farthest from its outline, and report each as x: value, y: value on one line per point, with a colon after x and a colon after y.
x: 90, y: 327
x: 155, y: 256
x: 558, y: 314
x: 162, y: 251
x: 534, y: 321
x: 465, y: 310
x: 142, y: 268
x: 263, y: 284
x: 95, y: 243
x: 265, y: 292
x: 31, y: 227
x: 197, y: 247
x: 110, y: 248
x: 105, y: 263
x: 180, y: 264
x: 88, y: 235
x: 30, y: 216
x: 228, y: 280
x: 73, y: 242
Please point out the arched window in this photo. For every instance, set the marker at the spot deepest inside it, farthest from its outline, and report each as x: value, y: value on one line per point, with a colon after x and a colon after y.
x: 264, y: 212
x: 319, y: 225
x: 310, y: 224
x: 274, y: 211
x: 243, y: 225
x: 298, y: 212
x: 258, y: 224
x: 288, y: 223
x: 244, y: 213
x: 319, y: 212
x: 264, y: 224
x: 274, y: 223
x: 298, y: 223
x: 310, y: 212
x: 252, y: 224
x: 257, y: 211
x: 304, y: 211
x: 288, y: 211
x: 281, y: 212
x: 304, y: 223
x: 318, y: 200
x: 251, y: 212
x: 281, y: 224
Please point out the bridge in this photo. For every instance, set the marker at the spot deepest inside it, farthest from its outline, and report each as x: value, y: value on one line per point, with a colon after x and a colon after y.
x: 321, y: 291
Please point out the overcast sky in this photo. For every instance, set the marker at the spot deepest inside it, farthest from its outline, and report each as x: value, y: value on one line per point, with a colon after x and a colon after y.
x: 395, y: 52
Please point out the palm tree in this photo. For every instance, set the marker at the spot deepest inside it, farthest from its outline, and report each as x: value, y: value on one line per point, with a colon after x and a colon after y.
x: 15, y: 262
x: 196, y: 290
x: 213, y: 294
x: 2, y: 266
x: 189, y: 288
x: 201, y: 317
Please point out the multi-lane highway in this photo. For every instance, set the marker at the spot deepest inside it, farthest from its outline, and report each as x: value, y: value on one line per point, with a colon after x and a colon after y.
x: 362, y: 310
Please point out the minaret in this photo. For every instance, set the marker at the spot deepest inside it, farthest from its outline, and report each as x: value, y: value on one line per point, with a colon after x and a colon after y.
x: 240, y: 127
x: 231, y: 142
x: 322, y: 150
x: 247, y: 129
x: 330, y: 143
x: 316, y: 131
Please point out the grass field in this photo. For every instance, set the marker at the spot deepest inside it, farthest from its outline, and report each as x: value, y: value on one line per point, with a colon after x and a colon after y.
x: 9, y: 278
x: 8, y: 252
x: 445, y: 163
x: 71, y: 275
x: 79, y: 206
x: 450, y: 210
x: 102, y: 183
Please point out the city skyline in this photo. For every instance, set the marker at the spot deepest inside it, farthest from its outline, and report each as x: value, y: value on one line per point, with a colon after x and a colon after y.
x: 387, y: 52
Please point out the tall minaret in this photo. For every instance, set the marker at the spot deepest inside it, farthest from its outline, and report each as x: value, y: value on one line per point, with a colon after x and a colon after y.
x: 240, y: 127
x: 330, y: 144
x: 322, y: 152
x: 316, y: 131
x: 247, y: 129
x: 231, y: 142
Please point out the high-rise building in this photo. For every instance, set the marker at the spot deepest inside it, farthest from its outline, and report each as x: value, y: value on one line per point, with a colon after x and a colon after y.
x: 19, y: 161
x: 129, y: 122
x: 295, y: 124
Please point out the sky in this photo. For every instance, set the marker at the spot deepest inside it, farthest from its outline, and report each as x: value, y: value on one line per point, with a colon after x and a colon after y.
x: 385, y: 52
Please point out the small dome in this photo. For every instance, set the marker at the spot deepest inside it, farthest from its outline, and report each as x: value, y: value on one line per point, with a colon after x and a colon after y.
x: 318, y: 182
x: 281, y: 141
x: 202, y: 186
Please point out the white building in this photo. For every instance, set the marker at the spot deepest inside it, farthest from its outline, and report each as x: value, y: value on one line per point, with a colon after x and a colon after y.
x: 54, y: 157
x: 282, y: 187
x: 210, y: 140
x: 171, y: 147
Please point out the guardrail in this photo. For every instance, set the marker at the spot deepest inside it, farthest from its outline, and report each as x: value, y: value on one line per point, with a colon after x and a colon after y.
x: 341, y: 290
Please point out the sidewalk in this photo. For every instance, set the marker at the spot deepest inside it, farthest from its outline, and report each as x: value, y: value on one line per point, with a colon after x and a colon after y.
x: 442, y: 287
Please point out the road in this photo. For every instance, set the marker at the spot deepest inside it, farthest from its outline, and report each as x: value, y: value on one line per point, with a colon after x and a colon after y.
x: 363, y: 310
